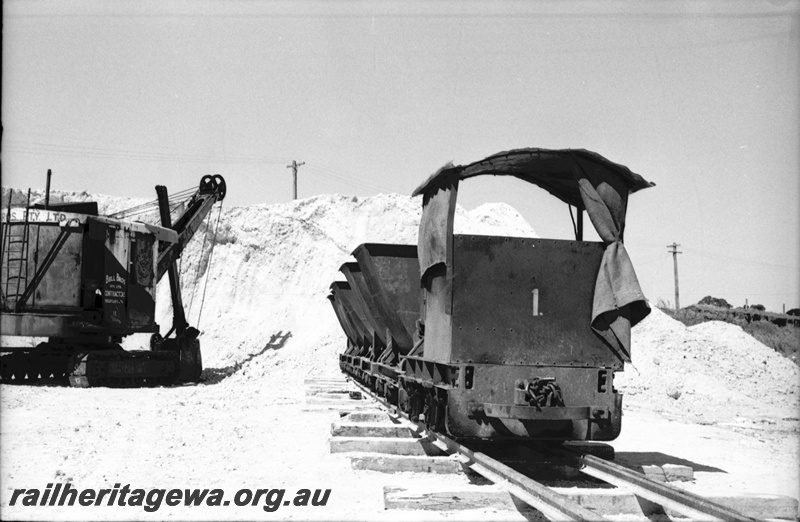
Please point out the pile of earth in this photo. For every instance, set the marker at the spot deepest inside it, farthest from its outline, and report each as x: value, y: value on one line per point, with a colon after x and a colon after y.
x: 259, y: 299
x: 711, y: 372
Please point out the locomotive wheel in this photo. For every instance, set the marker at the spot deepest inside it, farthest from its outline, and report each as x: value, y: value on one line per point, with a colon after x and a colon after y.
x: 391, y: 394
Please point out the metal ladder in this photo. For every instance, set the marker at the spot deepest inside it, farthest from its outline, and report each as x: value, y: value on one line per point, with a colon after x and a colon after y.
x: 16, y: 237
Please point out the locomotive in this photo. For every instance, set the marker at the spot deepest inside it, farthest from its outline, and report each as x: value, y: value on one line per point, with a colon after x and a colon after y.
x: 494, y: 337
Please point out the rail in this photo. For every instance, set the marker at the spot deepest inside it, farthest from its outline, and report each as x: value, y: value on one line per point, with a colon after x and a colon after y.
x: 689, y: 504
x: 558, y: 507
x: 551, y: 504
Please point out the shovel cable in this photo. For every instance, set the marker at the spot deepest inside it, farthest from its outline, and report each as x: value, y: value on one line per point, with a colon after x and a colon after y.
x: 208, y: 269
x: 152, y: 205
x: 199, y: 259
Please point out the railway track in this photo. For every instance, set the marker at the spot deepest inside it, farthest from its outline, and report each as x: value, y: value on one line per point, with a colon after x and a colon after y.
x: 552, y: 504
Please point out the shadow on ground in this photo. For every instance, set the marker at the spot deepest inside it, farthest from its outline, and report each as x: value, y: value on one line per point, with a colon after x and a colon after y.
x: 217, y: 375
x: 633, y: 459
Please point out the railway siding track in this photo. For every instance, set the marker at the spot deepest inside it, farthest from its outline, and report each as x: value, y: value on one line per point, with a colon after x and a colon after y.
x: 684, y: 502
x: 387, y: 441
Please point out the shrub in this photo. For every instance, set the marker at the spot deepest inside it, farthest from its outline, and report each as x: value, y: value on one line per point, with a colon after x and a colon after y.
x: 715, y: 301
x: 785, y: 341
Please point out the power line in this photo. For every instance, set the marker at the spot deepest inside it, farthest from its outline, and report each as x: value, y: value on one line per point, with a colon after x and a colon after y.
x: 53, y: 149
x: 740, y: 260
x: 651, y: 260
x: 348, y: 182
x: 322, y: 174
x: 328, y: 172
x: 89, y: 151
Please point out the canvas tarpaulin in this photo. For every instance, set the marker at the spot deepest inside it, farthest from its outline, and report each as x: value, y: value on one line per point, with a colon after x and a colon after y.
x: 437, y: 219
x: 587, y: 181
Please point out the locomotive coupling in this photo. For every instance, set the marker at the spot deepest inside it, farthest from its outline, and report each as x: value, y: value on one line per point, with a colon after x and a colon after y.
x: 539, y: 392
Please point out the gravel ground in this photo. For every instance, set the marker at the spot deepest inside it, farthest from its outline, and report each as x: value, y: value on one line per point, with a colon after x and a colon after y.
x: 245, y: 435
x: 708, y: 395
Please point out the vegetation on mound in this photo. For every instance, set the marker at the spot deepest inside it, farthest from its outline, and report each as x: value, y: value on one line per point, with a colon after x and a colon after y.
x: 715, y: 301
x: 784, y: 340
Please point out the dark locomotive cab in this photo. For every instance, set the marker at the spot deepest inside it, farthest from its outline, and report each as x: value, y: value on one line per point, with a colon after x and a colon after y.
x: 512, y: 336
x: 522, y: 336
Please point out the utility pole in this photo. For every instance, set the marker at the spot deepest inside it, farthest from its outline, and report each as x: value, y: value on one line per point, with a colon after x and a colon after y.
x: 674, y: 246
x: 47, y: 190
x: 294, y: 166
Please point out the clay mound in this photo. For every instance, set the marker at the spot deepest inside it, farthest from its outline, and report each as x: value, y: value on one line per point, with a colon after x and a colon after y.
x: 492, y: 219
x: 106, y: 204
x: 270, y: 273
x: 712, y: 371
x: 260, y: 303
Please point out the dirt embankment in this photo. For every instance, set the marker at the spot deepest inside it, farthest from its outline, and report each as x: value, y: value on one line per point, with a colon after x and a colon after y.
x: 259, y: 300
x: 710, y: 372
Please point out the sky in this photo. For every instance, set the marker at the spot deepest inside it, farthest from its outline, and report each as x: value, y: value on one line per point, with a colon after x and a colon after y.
x: 699, y: 97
